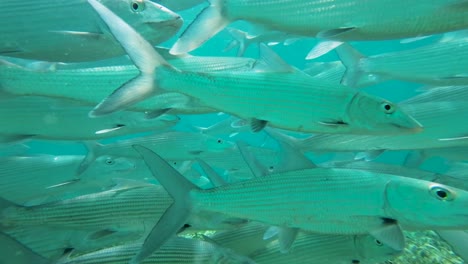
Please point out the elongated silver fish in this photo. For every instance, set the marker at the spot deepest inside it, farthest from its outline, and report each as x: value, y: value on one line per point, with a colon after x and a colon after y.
x: 441, y: 113
x: 174, y: 145
x: 69, y: 31
x: 177, y: 250
x: 242, y: 40
x: 286, y: 98
x: 439, y: 64
x: 335, y: 19
x: 14, y: 252
x: 142, y: 202
x: 63, y: 119
x: 90, y: 82
x: 33, y: 180
x: 308, y: 247
x: 336, y: 201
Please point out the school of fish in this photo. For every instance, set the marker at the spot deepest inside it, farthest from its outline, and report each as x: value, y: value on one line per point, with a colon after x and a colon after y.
x: 343, y: 136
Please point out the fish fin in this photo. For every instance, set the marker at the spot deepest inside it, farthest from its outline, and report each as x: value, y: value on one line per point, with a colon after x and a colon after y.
x: 177, y: 214
x: 334, y: 33
x: 291, y: 158
x: 369, y: 155
x: 14, y: 252
x: 391, y: 235
x: 157, y: 113
x: 214, y: 177
x: 351, y: 60
x: 458, y: 241
x: 240, y: 39
x: 290, y: 41
x: 143, y: 55
x: 415, y: 158
x: 257, y: 169
x: 322, y: 48
x: 257, y: 125
x: 93, y: 152
x: 286, y: 238
x: 109, y: 130
x: 270, y: 61
x: 207, y: 23
x: 271, y: 232
x: 101, y: 233
x: 80, y: 34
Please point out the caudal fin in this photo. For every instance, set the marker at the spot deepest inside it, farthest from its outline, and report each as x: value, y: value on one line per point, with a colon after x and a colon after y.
x: 13, y: 252
x: 351, y: 59
x: 143, y: 55
x: 177, y: 214
x: 209, y: 22
x: 239, y: 39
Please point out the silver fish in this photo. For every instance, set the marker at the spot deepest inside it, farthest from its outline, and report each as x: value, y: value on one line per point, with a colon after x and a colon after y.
x: 336, y: 19
x: 88, y: 82
x: 70, y: 31
x: 61, y: 119
x: 308, y: 247
x: 242, y: 40
x: 174, y: 145
x: 255, y: 95
x: 284, y: 199
x: 433, y: 64
x: 441, y: 114
x: 143, y: 203
x: 14, y: 252
x: 32, y: 180
x: 176, y: 250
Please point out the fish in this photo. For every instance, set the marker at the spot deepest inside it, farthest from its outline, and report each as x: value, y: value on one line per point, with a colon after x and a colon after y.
x: 89, y: 82
x: 283, y: 199
x: 317, y: 248
x: 318, y: 106
x: 179, y: 5
x: 342, y: 20
x: 176, y: 250
x: 63, y: 119
x: 71, y: 32
x: 174, y: 145
x: 440, y: 113
x: 242, y: 40
x: 433, y: 64
x: 49, y: 177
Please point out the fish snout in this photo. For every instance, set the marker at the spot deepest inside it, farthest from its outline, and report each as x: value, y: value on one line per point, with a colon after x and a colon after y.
x: 408, y: 123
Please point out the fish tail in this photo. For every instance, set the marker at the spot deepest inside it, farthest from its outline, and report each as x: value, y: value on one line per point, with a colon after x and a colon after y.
x: 210, y: 21
x: 93, y: 149
x: 143, y: 55
x: 177, y: 214
x: 16, y: 252
x: 351, y: 59
x: 240, y: 40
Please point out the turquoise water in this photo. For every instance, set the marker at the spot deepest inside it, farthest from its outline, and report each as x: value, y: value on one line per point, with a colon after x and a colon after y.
x: 67, y: 200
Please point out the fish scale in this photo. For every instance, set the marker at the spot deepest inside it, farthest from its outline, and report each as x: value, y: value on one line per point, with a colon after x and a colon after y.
x: 117, y: 208
x: 312, y: 200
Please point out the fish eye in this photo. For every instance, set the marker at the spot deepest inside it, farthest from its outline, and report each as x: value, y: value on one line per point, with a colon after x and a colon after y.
x: 137, y: 6
x: 387, y: 108
x: 442, y: 193
x: 220, y: 141
x: 110, y: 162
x: 378, y: 242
